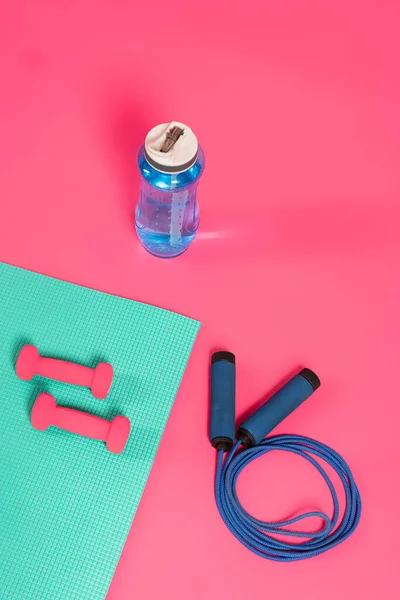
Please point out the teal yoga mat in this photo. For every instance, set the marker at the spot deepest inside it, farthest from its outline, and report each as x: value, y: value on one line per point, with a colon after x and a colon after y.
x: 66, y: 503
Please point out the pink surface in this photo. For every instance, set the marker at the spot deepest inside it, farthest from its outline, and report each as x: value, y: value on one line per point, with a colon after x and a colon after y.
x: 30, y: 363
x: 296, y: 266
x: 45, y: 413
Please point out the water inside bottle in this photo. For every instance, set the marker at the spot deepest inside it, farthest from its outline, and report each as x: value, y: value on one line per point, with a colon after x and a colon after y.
x: 166, y: 222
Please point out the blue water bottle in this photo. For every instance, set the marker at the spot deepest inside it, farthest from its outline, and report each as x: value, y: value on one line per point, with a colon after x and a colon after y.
x: 170, y: 164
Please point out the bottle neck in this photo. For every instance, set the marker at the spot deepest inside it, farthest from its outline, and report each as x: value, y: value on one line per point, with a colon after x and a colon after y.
x: 169, y: 181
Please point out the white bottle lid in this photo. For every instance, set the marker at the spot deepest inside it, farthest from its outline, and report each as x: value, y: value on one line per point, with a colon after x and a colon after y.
x: 171, y: 147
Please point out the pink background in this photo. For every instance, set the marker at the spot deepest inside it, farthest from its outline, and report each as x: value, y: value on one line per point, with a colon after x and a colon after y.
x: 296, y: 262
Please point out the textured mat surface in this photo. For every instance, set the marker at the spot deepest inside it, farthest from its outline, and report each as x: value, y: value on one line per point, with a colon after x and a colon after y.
x: 66, y: 503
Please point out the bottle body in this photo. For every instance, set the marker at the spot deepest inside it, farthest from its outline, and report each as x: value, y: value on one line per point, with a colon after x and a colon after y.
x: 167, y: 214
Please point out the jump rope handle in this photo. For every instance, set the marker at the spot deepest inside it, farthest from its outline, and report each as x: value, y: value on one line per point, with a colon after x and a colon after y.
x: 222, y: 410
x: 254, y: 429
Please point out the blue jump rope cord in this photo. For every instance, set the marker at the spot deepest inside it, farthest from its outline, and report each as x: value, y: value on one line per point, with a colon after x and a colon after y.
x: 255, y: 534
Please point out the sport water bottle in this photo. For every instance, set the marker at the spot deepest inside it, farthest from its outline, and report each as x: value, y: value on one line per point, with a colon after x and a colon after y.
x: 170, y: 164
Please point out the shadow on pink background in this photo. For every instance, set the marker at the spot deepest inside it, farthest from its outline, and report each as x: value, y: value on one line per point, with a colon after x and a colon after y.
x: 297, y: 260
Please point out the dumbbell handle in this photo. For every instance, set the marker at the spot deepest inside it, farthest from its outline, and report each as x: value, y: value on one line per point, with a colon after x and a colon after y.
x: 81, y: 423
x: 46, y: 413
x: 30, y: 363
x: 62, y: 370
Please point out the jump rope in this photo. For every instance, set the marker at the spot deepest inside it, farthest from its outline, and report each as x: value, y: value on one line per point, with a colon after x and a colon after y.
x: 236, y: 451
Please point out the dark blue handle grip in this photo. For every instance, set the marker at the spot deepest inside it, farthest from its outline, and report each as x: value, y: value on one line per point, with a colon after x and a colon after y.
x: 222, y: 412
x: 277, y: 408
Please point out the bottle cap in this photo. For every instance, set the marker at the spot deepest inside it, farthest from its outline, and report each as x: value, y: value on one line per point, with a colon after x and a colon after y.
x: 171, y: 147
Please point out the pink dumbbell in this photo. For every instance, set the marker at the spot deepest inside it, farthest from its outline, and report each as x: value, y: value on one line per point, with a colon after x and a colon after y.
x: 114, y: 433
x: 30, y: 363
